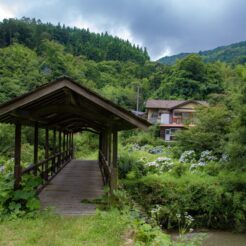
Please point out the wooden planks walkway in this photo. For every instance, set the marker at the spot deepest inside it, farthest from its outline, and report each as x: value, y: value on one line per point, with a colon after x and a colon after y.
x: 77, y: 180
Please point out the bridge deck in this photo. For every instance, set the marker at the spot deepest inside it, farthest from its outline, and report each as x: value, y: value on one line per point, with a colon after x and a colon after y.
x: 78, y: 180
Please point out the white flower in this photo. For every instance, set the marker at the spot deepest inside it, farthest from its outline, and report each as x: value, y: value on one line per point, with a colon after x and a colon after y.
x: 187, y: 156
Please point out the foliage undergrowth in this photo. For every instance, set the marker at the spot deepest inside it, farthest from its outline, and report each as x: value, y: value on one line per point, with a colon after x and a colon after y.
x: 21, y: 202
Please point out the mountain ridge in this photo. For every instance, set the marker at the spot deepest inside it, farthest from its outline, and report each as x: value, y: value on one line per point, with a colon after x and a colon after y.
x: 233, y: 53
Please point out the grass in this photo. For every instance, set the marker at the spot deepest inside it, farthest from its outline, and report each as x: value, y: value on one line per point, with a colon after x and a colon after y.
x: 104, y: 228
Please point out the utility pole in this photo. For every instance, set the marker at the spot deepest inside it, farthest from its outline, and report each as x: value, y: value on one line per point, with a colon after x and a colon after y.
x: 137, y: 99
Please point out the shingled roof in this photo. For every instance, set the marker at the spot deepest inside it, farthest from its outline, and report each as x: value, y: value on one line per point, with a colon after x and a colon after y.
x: 170, y: 104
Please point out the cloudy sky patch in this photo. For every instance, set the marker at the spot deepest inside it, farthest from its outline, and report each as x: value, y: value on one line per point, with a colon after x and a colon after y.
x: 165, y: 27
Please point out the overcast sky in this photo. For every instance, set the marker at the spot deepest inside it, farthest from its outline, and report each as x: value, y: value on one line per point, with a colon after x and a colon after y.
x: 165, y: 27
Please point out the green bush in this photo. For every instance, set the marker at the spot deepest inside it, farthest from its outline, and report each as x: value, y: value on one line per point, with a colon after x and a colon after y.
x: 17, y: 203
x: 213, y: 202
x: 131, y: 165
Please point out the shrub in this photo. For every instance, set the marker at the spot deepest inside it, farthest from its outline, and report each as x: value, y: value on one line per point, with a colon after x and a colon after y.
x: 16, y: 203
x: 129, y: 162
x: 188, y: 156
x: 213, y: 202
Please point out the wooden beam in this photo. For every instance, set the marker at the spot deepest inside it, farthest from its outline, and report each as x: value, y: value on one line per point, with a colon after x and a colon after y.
x: 108, y: 106
x: 35, y: 148
x: 25, y: 115
x: 17, y: 167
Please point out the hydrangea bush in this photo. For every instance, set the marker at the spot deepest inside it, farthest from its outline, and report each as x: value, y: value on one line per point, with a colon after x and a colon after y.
x: 161, y: 164
x: 188, y: 156
x: 207, y: 156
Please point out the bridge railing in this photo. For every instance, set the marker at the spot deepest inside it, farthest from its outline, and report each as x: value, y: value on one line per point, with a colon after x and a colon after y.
x: 48, y: 168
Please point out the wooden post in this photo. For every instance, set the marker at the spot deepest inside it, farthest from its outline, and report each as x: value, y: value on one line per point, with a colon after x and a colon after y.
x: 54, y: 151
x: 35, y: 155
x: 115, y: 148
x: 109, y: 137
x: 114, y: 169
x: 17, y: 167
x: 46, y: 153
x: 67, y: 146
x: 60, y: 148
x: 72, y: 146
x: 64, y: 146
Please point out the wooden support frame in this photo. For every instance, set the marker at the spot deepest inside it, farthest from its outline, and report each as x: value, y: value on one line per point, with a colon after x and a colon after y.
x: 35, y: 148
x: 82, y: 109
x: 17, y: 167
x: 114, y: 168
x: 59, y: 148
x: 46, y: 153
x: 72, y: 145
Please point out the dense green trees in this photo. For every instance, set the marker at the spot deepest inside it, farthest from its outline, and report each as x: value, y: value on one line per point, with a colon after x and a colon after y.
x: 210, y: 133
x: 237, y: 138
x: 233, y: 54
x: 97, y: 47
x: 190, y: 78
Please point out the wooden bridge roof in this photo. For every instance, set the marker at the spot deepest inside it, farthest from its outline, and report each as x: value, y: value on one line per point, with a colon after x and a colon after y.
x: 66, y: 105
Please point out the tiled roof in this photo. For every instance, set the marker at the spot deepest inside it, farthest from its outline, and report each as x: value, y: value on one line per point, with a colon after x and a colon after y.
x: 168, y: 104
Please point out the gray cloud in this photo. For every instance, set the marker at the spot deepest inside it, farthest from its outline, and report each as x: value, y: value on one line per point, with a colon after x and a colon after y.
x: 163, y: 26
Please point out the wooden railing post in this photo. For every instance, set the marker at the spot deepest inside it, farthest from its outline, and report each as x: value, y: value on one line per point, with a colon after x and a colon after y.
x: 17, y: 167
x: 35, y: 155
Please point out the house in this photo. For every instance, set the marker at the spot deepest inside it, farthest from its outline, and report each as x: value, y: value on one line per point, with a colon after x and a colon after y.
x: 172, y: 115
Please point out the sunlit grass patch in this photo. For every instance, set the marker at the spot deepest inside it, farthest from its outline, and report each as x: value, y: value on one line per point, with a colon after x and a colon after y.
x: 104, y: 228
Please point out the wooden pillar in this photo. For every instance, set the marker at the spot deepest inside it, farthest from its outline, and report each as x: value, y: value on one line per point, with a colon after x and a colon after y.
x: 67, y: 145
x: 54, y: 142
x: 54, y: 152
x: 109, y: 152
x: 17, y: 167
x: 60, y: 148
x: 35, y: 155
x: 46, y: 176
x: 72, y: 146
x: 115, y: 148
x: 64, y: 146
x: 103, y: 143
x: 114, y: 169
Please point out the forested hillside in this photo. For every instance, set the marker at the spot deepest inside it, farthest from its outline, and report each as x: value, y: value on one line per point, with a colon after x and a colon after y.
x: 233, y: 54
x: 97, y: 47
x: 33, y: 53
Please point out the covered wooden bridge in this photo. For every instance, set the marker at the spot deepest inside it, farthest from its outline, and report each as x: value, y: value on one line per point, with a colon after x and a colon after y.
x: 64, y: 108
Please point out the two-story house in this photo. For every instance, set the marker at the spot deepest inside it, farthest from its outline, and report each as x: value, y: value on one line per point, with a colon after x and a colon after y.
x: 172, y: 115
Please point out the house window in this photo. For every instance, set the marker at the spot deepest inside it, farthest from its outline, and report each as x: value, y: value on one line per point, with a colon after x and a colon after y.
x: 181, y: 117
x: 153, y: 117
